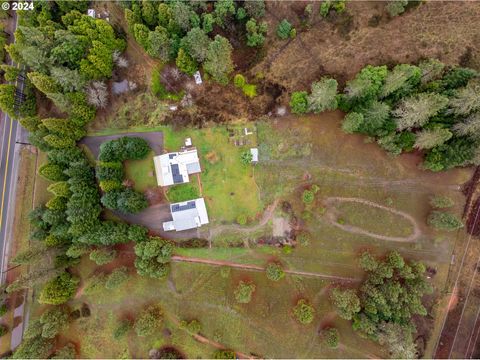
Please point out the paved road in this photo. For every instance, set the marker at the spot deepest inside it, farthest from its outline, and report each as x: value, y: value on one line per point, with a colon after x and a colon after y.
x: 6, y: 174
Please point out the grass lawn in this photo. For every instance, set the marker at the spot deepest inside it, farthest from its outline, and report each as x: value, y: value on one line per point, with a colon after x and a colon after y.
x: 183, y: 192
x: 142, y: 172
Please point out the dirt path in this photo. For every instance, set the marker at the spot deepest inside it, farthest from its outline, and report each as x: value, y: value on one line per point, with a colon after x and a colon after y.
x: 356, y: 230
x: 178, y: 258
x: 207, y: 341
x: 267, y: 216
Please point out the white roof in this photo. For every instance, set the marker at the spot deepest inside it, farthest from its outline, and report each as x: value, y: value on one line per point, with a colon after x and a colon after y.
x: 187, y: 215
x: 254, y: 152
x: 198, y: 78
x: 174, y: 168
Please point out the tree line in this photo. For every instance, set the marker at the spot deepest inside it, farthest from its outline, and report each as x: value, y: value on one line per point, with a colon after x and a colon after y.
x: 429, y: 107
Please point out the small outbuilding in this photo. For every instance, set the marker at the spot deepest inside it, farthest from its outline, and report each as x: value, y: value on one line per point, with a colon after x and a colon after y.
x: 254, y: 152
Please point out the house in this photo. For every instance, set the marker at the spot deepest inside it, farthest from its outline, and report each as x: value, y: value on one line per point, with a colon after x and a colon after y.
x: 187, y: 215
x: 175, y: 168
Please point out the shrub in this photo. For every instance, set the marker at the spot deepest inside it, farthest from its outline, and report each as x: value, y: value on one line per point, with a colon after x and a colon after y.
x: 244, y: 291
x: 444, y: 221
x: 274, y: 272
x: 224, y: 354
x: 246, y: 157
x: 303, y: 238
x: 284, y: 29
x: 3, y: 309
x: 116, y: 278
x: 299, y: 102
x: 441, y: 202
x: 148, y: 321
x: 242, y: 219
x: 308, y: 196
x: 58, y: 290
x: 122, y: 329
x: 186, y: 63
x: 239, y: 81
x: 250, y: 90
x: 193, y: 327
x: 303, y: 312
x: 330, y: 337
x: 102, y: 256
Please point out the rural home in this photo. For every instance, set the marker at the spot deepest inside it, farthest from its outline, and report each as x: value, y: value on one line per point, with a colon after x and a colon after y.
x: 175, y: 168
x: 187, y: 215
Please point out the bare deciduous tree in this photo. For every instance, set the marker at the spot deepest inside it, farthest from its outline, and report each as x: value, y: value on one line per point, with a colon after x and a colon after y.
x: 97, y: 94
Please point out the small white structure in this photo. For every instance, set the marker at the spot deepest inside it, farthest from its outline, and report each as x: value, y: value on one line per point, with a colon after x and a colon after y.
x: 187, y: 215
x: 198, y: 78
x: 254, y: 152
x: 188, y: 142
x: 175, y: 168
x: 247, y: 131
x: 91, y: 13
x: 173, y: 107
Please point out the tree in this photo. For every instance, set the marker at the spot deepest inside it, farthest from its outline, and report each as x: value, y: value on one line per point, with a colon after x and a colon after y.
x: 7, y: 99
x: 118, y: 277
x: 131, y: 202
x: 395, y: 8
x: 364, y: 87
x: 35, y: 348
x: 219, y: 62
x: 122, y: 329
x: 69, y: 80
x: 97, y: 94
x: 30, y: 123
x: 58, y: 290
x: 308, y: 196
x: 244, y: 291
x: 246, y: 157
x: 223, y: 10
x: 102, y: 256
x: 470, y: 126
x: 299, y: 102
x: 284, y: 29
x: 323, y: 96
x: 196, y: 44
x: 441, y: 202
x: 10, y: 72
x: 77, y: 250
x: 415, y: 111
x: 430, y: 138
x: 53, y: 321
x: 58, y: 141
x: 274, y: 272
x: 60, y: 189
x: 52, y: 172
x: 66, y: 352
x: 456, y: 152
x: 444, y: 221
x: 303, y: 312
x: 159, y: 45
x: 185, y: 63
x: 149, y: 12
x: 398, y: 339
x: 400, y: 81
x: 148, y: 321
x: 64, y: 128
x: 182, y: 15
x: 353, y: 122
x: 330, y: 337
x: 346, y: 302
x: 153, y: 256
x: 466, y: 100
x: 112, y: 170
x: 255, y: 32
x: 255, y: 8
x: 207, y: 22
x: 44, y: 83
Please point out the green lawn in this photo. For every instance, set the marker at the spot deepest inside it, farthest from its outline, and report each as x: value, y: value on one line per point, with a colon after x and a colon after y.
x: 183, y: 192
x: 142, y: 172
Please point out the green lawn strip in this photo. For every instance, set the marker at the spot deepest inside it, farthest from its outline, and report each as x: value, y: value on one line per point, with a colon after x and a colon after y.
x: 183, y: 192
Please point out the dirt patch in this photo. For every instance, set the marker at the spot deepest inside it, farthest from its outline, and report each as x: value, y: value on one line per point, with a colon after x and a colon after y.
x: 344, y: 45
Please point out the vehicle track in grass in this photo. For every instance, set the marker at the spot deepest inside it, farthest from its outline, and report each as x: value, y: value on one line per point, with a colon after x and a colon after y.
x: 357, y: 230
x: 251, y: 267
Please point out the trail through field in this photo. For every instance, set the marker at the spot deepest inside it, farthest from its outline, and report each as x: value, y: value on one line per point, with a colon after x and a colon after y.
x: 266, y: 217
x: 178, y: 258
x: 356, y: 230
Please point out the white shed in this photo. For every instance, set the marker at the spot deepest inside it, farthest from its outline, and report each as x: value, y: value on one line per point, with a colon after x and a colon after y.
x: 198, y: 78
x: 91, y: 13
x: 254, y: 152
